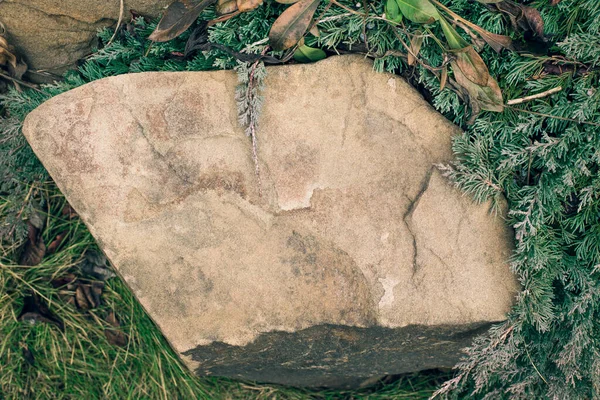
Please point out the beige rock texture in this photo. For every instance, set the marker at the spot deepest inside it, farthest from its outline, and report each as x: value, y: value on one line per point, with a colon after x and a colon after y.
x: 357, y: 248
x: 53, y: 34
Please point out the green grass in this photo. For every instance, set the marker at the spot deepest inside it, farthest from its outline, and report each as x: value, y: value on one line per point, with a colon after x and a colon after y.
x: 80, y: 363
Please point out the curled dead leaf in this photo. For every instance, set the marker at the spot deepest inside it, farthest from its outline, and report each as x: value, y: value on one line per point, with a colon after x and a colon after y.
x: 292, y: 24
x: 36, y: 311
x: 484, y: 97
x: 34, y: 249
x: 444, y: 77
x: 226, y: 7
x: 53, y: 246
x: 525, y: 18
x: 416, y: 42
x: 248, y: 5
x: 177, y: 18
x: 472, y: 65
x: 114, y: 335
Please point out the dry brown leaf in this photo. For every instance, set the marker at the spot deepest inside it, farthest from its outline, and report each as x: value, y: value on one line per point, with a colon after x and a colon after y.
x: 444, y: 77
x: 248, y: 5
x: 488, y: 97
x: 314, y: 30
x: 35, y: 311
x: 8, y: 59
x: 114, y: 335
x: 292, y: 24
x: 177, y: 18
x: 226, y: 7
x: 56, y: 242
x: 81, y: 299
x: 34, y: 249
x: 472, y: 65
x: 415, y: 47
x: 523, y: 17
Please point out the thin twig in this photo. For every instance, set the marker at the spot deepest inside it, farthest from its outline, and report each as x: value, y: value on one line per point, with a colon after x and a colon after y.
x: 121, y: 12
x: 20, y: 82
x: 534, y: 96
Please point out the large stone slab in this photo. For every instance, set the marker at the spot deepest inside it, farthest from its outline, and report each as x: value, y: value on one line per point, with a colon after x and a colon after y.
x: 358, y: 260
x: 53, y: 34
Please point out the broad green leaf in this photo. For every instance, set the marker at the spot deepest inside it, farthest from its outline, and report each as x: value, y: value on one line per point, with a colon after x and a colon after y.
x: 392, y: 12
x: 420, y: 11
x: 177, y: 18
x: 306, y: 54
x: 292, y: 24
x: 455, y: 41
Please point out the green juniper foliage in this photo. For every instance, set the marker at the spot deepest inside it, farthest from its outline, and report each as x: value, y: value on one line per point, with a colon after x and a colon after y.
x: 542, y: 156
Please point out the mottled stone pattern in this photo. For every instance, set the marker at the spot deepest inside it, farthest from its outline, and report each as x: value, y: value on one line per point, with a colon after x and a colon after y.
x: 54, y: 34
x: 355, y: 227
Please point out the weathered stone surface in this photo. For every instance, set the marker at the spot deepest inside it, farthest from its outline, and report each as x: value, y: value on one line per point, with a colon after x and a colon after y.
x: 358, y: 260
x: 53, y: 34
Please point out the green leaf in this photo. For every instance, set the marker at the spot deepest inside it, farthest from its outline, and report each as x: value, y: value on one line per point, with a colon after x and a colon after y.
x: 292, y: 24
x: 306, y: 54
x: 392, y: 12
x: 419, y: 11
x: 455, y: 41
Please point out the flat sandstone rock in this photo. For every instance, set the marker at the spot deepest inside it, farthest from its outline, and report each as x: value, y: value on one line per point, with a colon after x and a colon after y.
x: 359, y: 259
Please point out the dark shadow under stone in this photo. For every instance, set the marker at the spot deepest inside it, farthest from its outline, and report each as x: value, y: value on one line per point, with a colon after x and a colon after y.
x: 334, y: 356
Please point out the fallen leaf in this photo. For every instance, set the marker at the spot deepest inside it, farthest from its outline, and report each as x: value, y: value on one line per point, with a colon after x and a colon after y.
x: 35, y: 311
x: 81, y: 299
x: 525, y: 18
x: 53, y: 246
x: 63, y: 280
x: 177, y: 18
x: 69, y: 212
x: 248, y: 5
x: 306, y: 54
x: 34, y: 249
x: 292, y: 24
x: 226, y: 7
x: 554, y: 2
x: 444, y: 77
x: 415, y: 47
x: 314, y: 30
x: 87, y: 296
x: 114, y: 335
x: 96, y: 265
x: 392, y: 11
x: 488, y: 97
x: 286, y: 1
x: 419, y: 11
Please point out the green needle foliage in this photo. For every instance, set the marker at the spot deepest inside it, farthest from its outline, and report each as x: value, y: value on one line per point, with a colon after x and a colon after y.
x: 542, y: 156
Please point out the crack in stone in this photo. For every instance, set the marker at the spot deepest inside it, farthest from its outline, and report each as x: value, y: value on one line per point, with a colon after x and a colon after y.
x: 408, y: 214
